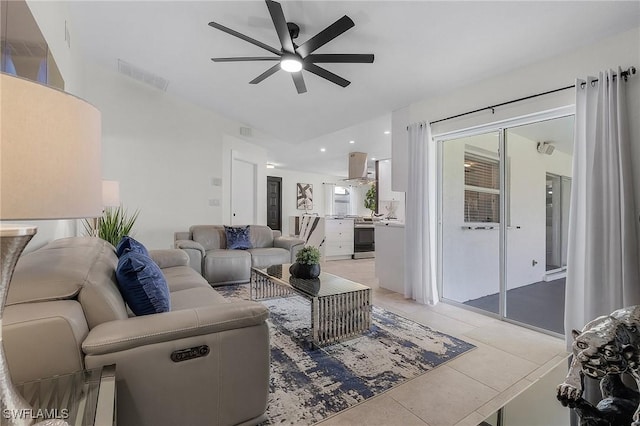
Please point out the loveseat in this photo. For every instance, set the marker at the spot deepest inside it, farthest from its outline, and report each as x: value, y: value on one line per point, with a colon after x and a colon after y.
x: 64, y: 313
x: 206, y: 246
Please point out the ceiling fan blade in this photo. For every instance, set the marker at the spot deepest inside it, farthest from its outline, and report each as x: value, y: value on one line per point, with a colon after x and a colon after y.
x: 245, y: 38
x: 265, y: 74
x: 340, y: 58
x: 325, y: 36
x: 298, y: 80
x: 321, y: 72
x: 247, y: 58
x: 277, y: 16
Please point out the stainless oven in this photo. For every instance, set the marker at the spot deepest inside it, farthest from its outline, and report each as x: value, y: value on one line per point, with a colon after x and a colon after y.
x: 364, y: 245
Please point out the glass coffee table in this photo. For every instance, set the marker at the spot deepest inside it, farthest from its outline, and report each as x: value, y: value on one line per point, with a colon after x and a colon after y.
x: 340, y: 309
x: 84, y: 398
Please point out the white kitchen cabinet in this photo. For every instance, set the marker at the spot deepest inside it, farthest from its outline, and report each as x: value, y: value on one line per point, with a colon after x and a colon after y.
x: 338, y: 239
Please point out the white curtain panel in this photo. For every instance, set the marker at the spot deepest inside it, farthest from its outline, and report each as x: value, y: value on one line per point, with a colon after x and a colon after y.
x: 329, y: 198
x: 354, y: 200
x: 419, y: 277
x: 602, y: 258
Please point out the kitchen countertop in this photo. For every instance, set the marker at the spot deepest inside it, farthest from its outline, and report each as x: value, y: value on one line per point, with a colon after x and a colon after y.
x: 392, y: 224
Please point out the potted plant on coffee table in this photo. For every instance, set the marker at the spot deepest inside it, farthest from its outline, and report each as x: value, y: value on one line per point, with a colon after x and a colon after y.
x: 307, y: 264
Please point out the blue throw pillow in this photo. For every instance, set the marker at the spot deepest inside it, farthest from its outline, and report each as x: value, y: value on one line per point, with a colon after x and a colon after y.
x: 237, y: 237
x: 128, y: 244
x: 142, y: 284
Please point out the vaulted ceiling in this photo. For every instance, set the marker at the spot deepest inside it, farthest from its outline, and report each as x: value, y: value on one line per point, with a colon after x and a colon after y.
x: 422, y: 48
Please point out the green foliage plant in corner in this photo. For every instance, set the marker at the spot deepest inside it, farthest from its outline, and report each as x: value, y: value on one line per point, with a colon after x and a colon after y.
x: 114, y: 224
x: 370, y: 199
x: 308, y: 255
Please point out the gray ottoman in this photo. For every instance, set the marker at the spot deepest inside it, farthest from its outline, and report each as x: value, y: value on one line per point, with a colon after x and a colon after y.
x: 227, y: 266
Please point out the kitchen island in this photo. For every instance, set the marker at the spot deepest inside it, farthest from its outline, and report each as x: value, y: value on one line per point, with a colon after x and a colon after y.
x: 389, y: 238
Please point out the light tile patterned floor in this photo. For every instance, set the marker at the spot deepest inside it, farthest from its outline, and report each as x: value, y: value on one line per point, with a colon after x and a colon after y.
x: 465, y: 391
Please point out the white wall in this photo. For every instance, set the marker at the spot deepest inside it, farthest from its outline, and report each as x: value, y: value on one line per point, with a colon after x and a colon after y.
x: 290, y: 179
x: 167, y: 156
x: 165, y: 153
x: 400, y: 118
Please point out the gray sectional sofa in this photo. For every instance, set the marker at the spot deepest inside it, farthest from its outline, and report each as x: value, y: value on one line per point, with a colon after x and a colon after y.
x: 64, y: 312
x: 206, y: 246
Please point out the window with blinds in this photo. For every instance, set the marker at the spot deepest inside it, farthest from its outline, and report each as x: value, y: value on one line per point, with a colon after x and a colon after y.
x: 481, y: 189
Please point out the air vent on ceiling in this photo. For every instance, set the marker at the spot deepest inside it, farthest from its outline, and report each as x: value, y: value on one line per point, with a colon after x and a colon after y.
x: 246, y: 131
x: 142, y: 75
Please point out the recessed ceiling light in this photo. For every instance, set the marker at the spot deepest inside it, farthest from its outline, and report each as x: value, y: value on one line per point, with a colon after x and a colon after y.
x: 352, y: 141
x: 373, y: 158
x: 270, y: 166
x: 322, y: 149
x: 386, y: 132
x: 467, y: 165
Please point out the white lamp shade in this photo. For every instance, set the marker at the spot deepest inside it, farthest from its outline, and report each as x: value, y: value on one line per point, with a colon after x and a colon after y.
x: 110, y: 193
x: 50, y: 153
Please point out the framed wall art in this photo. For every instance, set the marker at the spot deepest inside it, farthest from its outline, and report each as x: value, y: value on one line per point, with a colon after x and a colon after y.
x: 304, y: 198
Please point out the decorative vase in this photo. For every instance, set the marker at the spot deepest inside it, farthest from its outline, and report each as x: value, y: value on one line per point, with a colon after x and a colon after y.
x: 305, y: 271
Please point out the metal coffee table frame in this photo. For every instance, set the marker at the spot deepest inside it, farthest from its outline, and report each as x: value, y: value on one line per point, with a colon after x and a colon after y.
x: 340, y: 309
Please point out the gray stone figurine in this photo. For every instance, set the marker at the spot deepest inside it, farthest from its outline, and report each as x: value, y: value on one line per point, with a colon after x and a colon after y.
x: 605, y: 349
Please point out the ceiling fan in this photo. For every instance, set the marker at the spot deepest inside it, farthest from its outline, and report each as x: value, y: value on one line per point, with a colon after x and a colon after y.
x: 293, y: 58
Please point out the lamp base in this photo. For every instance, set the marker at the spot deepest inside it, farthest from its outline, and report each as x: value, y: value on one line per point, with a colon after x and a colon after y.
x: 13, y: 240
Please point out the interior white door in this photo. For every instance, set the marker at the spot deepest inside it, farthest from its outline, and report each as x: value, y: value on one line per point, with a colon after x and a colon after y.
x: 243, y: 192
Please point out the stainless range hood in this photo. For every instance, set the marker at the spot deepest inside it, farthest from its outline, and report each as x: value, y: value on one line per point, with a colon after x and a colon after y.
x: 358, y: 169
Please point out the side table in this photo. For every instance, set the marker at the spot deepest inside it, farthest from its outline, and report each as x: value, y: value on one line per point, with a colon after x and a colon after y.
x: 84, y: 398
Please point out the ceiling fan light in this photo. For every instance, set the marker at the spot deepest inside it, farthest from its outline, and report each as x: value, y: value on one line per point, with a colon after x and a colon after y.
x: 291, y: 65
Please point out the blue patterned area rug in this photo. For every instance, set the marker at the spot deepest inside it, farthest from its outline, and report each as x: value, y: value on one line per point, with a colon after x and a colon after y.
x: 308, y: 385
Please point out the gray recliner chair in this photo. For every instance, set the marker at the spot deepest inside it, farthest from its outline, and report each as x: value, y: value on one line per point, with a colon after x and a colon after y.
x: 206, y: 246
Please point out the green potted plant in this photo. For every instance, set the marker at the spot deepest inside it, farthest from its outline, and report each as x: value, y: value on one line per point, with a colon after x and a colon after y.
x: 114, y: 224
x: 370, y: 200
x: 307, y: 263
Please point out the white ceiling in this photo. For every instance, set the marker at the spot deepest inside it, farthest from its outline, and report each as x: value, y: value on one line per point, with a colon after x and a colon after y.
x: 558, y: 132
x: 422, y: 48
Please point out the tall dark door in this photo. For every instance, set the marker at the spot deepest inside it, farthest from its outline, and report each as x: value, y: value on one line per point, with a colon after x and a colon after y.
x: 274, y: 203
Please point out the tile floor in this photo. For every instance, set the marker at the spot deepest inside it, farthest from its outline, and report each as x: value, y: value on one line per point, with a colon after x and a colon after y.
x: 466, y: 390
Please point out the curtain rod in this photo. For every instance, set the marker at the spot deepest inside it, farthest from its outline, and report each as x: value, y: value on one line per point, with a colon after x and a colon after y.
x: 624, y: 74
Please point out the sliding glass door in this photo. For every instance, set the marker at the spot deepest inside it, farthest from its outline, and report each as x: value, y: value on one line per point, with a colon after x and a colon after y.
x: 504, y: 203
x: 470, y: 221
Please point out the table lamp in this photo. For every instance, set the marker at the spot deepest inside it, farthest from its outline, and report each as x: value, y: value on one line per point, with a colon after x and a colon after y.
x: 50, y: 168
x: 110, y: 198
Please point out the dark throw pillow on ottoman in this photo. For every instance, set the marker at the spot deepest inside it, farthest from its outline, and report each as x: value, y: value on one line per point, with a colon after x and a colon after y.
x: 237, y: 237
x: 142, y: 284
x: 128, y: 244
